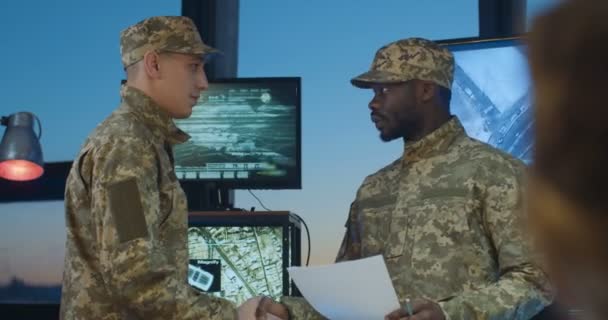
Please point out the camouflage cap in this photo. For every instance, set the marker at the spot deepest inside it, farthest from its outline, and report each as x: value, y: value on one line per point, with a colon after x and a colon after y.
x: 408, y: 59
x: 176, y: 34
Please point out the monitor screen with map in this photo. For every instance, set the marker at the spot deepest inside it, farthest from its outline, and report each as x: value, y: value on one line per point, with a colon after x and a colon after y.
x: 236, y: 263
x: 238, y: 256
x: 491, y: 93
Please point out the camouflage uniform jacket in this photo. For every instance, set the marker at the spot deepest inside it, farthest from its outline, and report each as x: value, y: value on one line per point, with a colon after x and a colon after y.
x: 446, y: 216
x: 126, y: 216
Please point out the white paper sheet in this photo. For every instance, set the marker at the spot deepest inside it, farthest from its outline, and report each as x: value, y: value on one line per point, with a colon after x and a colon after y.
x: 358, y: 289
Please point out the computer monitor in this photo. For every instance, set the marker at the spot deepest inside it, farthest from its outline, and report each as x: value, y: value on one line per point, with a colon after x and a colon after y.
x: 491, y: 93
x: 241, y: 255
x: 245, y: 134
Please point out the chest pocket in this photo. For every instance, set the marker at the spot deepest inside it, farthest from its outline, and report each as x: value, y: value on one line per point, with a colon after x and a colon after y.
x: 431, y: 227
x: 168, y: 184
x: 374, y: 227
x: 166, y: 198
x: 173, y: 203
x: 173, y: 223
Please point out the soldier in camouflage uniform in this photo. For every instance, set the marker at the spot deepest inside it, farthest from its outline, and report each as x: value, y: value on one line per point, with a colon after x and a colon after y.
x: 126, y: 214
x: 446, y: 216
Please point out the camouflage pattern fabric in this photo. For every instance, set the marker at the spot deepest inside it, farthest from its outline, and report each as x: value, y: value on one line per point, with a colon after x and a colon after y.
x: 175, y: 34
x: 408, y: 59
x: 126, y: 216
x: 447, y: 217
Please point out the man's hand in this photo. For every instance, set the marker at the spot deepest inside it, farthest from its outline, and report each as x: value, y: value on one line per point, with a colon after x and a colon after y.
x: 422, y: 309
x: 247, y: 310
x: 262, y: 308
x: 268, y: 309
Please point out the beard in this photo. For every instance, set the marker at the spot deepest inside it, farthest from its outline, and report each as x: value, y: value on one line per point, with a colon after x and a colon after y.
x: 387, y: 136
x: 386, y: 125
x: 404, y: 129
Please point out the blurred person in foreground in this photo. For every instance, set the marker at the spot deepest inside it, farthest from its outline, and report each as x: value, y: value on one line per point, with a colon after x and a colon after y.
x: 568, y: 198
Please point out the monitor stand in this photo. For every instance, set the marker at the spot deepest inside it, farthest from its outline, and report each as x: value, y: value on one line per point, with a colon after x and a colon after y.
x: 210, y: 197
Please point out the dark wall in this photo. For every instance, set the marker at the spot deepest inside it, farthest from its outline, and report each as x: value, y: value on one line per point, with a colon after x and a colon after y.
x: 501, y: 18
x: 218, y: 23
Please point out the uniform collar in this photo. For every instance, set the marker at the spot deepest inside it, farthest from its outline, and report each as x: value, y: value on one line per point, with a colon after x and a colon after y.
x: 434, y: 143
x: 159, y: 122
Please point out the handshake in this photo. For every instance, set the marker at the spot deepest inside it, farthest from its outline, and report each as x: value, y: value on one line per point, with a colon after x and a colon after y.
x: 262, y: 308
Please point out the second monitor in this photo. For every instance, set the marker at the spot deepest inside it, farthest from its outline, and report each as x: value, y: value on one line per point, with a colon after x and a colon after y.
x: 245, y: 134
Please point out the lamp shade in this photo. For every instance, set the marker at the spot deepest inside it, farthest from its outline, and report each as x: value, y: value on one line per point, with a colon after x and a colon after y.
x: 20, y: 151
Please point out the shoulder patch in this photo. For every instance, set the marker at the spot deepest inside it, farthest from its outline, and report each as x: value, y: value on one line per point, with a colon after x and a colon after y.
x: 127, y: 210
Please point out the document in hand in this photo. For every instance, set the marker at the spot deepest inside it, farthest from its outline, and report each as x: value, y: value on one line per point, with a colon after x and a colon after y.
x: 358, y: 289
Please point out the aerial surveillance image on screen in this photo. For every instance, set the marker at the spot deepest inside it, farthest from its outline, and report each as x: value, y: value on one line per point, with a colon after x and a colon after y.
x: 241, y: 130
x: 491, y: 95
x: 236, y: 263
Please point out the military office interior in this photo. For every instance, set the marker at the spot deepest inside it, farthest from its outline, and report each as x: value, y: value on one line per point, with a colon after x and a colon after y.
x: 284, y: 187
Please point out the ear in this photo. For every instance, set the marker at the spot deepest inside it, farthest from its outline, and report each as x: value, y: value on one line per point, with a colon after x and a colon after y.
x: 425, y: 91
x: 152, y: 64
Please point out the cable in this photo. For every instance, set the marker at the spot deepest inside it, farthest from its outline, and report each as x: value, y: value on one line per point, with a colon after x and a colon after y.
x: 297, y: 217
x: 307, y: 235
x: 260, y: 201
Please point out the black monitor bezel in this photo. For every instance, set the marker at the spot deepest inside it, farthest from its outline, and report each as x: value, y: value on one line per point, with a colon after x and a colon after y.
x: 473, y: 43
